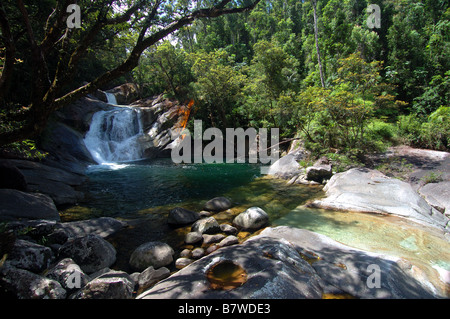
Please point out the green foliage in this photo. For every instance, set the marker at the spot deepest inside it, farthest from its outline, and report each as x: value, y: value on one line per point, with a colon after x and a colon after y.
x: 432, y: 132
x: 432, y: 177
x: 218, y: 87
x: 25, y: 149
x: 260, y: 68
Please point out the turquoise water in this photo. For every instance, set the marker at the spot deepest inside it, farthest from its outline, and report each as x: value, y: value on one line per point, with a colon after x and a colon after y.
x: 123, y: 190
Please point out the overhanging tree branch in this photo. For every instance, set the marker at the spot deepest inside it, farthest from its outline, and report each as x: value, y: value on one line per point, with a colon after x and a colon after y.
x: 133, y: 59
x: 46, y: 96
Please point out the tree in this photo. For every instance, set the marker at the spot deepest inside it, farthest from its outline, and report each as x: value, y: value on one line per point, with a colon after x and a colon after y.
x: 218, y: 87
x: 150, y: 21
x: 316, y: 37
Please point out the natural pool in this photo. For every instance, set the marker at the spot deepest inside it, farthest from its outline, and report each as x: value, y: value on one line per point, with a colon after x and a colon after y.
x: 143, y: 193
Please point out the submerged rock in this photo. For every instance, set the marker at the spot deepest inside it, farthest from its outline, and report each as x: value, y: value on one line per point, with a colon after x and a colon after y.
x: 218, y: 204
x: 182, y: 216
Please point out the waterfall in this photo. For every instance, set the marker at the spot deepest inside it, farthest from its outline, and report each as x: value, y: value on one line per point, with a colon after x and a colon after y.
x: 114, y: 135
x: 111, y: 98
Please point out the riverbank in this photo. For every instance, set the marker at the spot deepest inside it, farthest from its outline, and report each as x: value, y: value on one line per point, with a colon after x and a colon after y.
x: 404, y: 186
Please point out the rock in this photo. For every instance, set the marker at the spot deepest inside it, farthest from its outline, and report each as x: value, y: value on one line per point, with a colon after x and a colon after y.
x: 209, y: 239
x: 78, y: 115
x: 275, y: 267
x: 11, y: 177
x: 33, y: 228
x: 286, y: 167
x: 182, y: 262
x: 126, y: 93
x: 211, y: 249
x: 90, y: 252
x: 218, y: 204
x: 351, y: 270
x: 156, y: 254
x: 68, y: 274
x: 320, y: 171
x: 103, y: 227
x: 228, y: 241
x: 27, y: 285
x: 272, y: 267
x: 193, y: 238
x: 181, y: 216
x: 366, y: 190
x: 228, y: 229
x: 150, y: 276
x: 207, y: 225
x: 204, y: 214
x: 66, y: 145
x: 198, y: 253
x: 253, y: 218
x: 437, y: 195
x: 54, y: 182
x: 17, y: 204
x: 30, y: 256
x: 111, y: 285
x: 185, y: 253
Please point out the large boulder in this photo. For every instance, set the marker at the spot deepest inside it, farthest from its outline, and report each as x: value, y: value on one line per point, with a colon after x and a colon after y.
x: 251, y: 219
x: 286, y: 262
x: 366, y: 190
x: 55, y: 182
x: 320, y: 171
x: 66, y: 146
x: 111, y: 285
x: 156, y: 254
x: 359, y: 273
x: 271, y: 269
x: 437, y: 195
x: 27, y: 285
x: 286, y: 167
x: 17, y: 205
x: 30, y: 256
x: 91, y: 252
x: 68, y: 274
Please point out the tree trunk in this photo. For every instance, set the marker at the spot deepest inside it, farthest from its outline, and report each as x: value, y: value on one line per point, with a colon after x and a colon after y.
x: 316, y: 36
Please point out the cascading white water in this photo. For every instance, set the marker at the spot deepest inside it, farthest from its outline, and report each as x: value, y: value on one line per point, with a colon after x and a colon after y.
x: 114, y: 135
x: 111, y: 98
